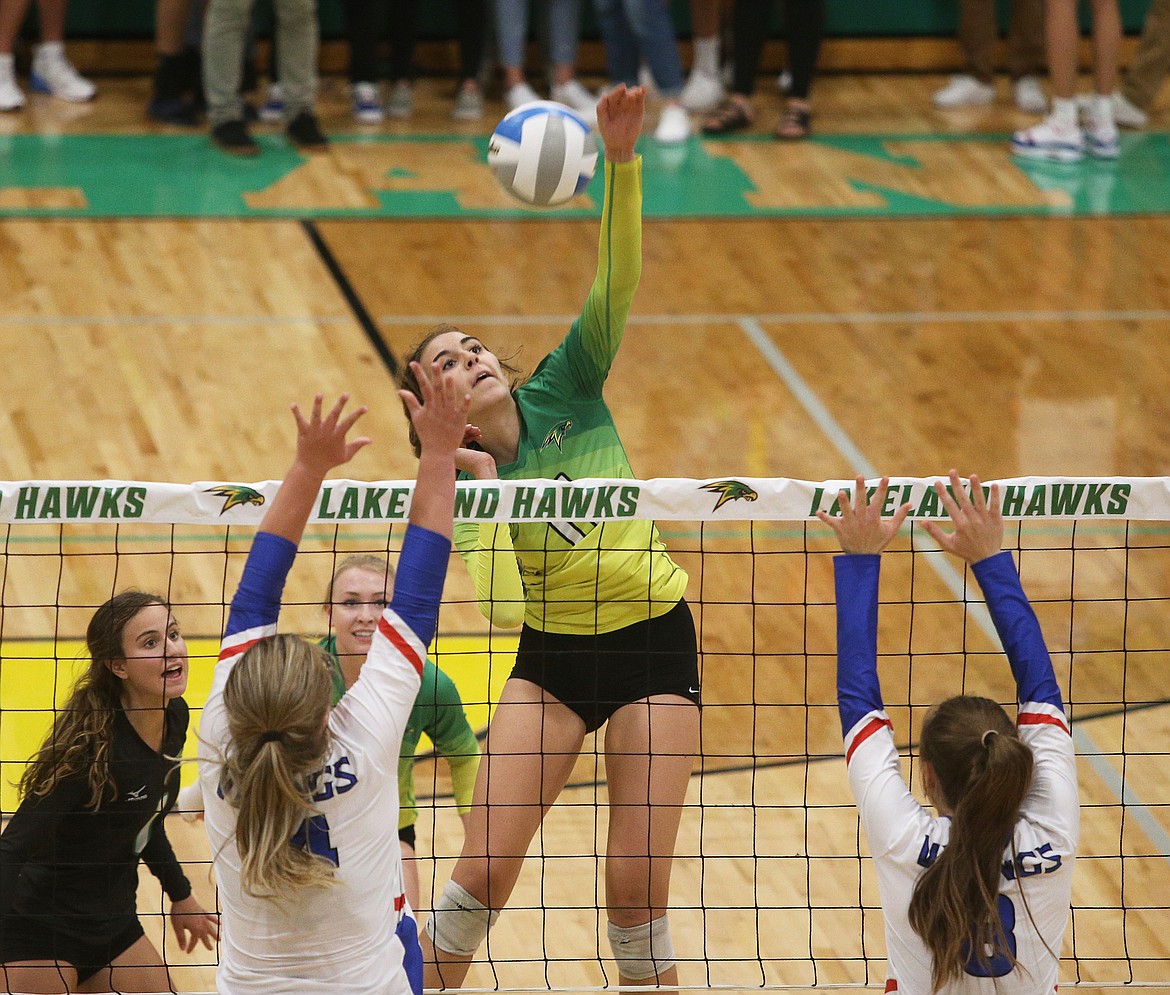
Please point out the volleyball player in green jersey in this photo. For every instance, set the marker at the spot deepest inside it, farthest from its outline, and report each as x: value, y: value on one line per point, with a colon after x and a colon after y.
x: 358, y: 592
x: 607, y: 637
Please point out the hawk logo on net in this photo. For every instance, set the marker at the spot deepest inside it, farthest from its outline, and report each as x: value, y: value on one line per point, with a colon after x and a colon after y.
x: 236, y: 494
x: 557, y: 434
x: 730, y: 490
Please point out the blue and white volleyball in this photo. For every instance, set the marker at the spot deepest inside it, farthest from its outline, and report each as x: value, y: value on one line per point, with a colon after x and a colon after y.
x: 543, y: 153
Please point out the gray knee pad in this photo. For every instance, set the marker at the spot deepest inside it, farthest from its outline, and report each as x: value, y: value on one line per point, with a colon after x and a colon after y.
x: 642, y: 951
x: 460, y: 922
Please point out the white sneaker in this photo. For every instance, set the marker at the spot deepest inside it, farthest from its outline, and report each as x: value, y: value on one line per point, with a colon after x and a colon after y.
x: 1128, y: 114
x: 367, y: 103
x: 964, y: 91
x: 674, y: 126
x: 468, y: 104
x: 1125, y: 113
x: 1101, y: 139
x: 574, y: 95
x: 53, y: 73
x: 1029, y: 95
x: 11, y: 95
x: 784, y: 81
x: 702, y: 92
x: 272, y: 110
x: 519, y: 95
x: 401, y: 103
x: 1050, y: 141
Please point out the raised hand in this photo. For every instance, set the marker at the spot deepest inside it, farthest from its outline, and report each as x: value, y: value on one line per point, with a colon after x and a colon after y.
x: 978, y: 525
x: 861, y: 528
x: 321, y: 440
x: 440, y: 419
x: 321, y: 445
x: 619, y: 121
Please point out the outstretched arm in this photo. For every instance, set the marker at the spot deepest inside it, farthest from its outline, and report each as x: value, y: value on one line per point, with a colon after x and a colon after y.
x: 619, y: 252
x: 888, y: 810
x: 977, y: 537
x: 863, y: 534
x: 440, y: 421
x: 321, y: 446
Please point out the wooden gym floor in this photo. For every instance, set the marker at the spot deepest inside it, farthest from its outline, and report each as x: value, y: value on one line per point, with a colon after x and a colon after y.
x: 1008, y: 333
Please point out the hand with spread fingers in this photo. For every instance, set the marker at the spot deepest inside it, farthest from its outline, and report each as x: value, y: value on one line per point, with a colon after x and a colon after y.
x: 978, y: 523
x: 860, y: 527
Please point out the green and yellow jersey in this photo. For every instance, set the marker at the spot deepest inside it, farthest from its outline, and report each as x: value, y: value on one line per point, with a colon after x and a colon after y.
x: 578, y: 577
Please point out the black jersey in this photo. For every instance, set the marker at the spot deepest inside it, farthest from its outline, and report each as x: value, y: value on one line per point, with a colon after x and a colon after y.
x: 75, y: 868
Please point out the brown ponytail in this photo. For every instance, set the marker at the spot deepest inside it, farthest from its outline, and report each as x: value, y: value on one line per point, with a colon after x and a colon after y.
x: 983, y: 779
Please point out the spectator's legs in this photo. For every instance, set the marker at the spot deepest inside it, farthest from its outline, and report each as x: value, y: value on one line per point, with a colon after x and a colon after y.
x: 751, y: 28
x: 52, y: 72
x: 403, y: 36
x: 1151, y: 62
x: 362, y: 26
x: 1026, y: 38
x: 653, y: 27
x: 470, y: 15
x: 12, y: 13
x: 511, y: 38
x: 805, y: 20
x: 978, y: 35
x: 223, y: 51
x: 1106, y: 45
x: 298, y: 33
x: 564, y: 30
x: 621, y: 47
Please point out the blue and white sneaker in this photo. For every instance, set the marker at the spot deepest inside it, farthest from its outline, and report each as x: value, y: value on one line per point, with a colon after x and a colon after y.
x: 272, y: 110
x: 1050, y: 141
x: 367, y: 103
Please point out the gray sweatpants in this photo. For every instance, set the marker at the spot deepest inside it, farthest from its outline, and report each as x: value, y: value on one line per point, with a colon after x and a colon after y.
x: 224, y: 34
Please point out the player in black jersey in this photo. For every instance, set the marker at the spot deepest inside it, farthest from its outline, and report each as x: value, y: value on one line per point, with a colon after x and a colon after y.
x: 93, y: 801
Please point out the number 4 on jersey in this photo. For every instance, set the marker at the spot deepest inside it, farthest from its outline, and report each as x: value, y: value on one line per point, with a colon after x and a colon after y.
x: 313, y: 835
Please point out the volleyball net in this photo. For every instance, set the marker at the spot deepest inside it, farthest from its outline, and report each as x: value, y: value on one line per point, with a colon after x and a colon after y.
x: 771, y: 886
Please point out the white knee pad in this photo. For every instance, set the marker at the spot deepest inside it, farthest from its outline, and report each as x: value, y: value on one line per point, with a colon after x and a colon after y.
x: 460, y: 922
x: 642, y: 951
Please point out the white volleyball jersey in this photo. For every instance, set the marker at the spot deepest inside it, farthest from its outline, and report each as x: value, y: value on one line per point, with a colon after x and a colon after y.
x: 352, y: 937
x: 904, y: 838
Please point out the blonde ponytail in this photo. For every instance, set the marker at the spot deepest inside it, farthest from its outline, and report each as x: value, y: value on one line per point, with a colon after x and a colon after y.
x: 277, y: 700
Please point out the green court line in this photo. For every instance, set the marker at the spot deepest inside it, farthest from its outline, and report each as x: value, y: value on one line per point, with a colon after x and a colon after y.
x: 180, y: 176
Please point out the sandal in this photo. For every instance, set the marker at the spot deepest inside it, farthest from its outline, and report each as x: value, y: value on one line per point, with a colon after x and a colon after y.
x: 730, y: 116
x: 794, y: 123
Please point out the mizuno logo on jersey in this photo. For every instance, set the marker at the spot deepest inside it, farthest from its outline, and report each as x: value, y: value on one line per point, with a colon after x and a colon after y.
x: 137, y: 795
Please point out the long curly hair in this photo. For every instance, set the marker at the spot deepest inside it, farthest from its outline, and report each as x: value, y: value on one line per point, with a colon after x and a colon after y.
x: 82, y: 731
x: 984, y: 779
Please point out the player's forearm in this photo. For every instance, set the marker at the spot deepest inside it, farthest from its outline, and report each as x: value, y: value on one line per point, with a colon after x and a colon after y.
x: 858, y: 689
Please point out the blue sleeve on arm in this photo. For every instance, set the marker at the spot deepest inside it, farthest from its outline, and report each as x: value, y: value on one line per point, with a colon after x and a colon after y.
x: 418, y: 583
x: 858, y: 689
x: 257, y: 599
x: 1018, y: 629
